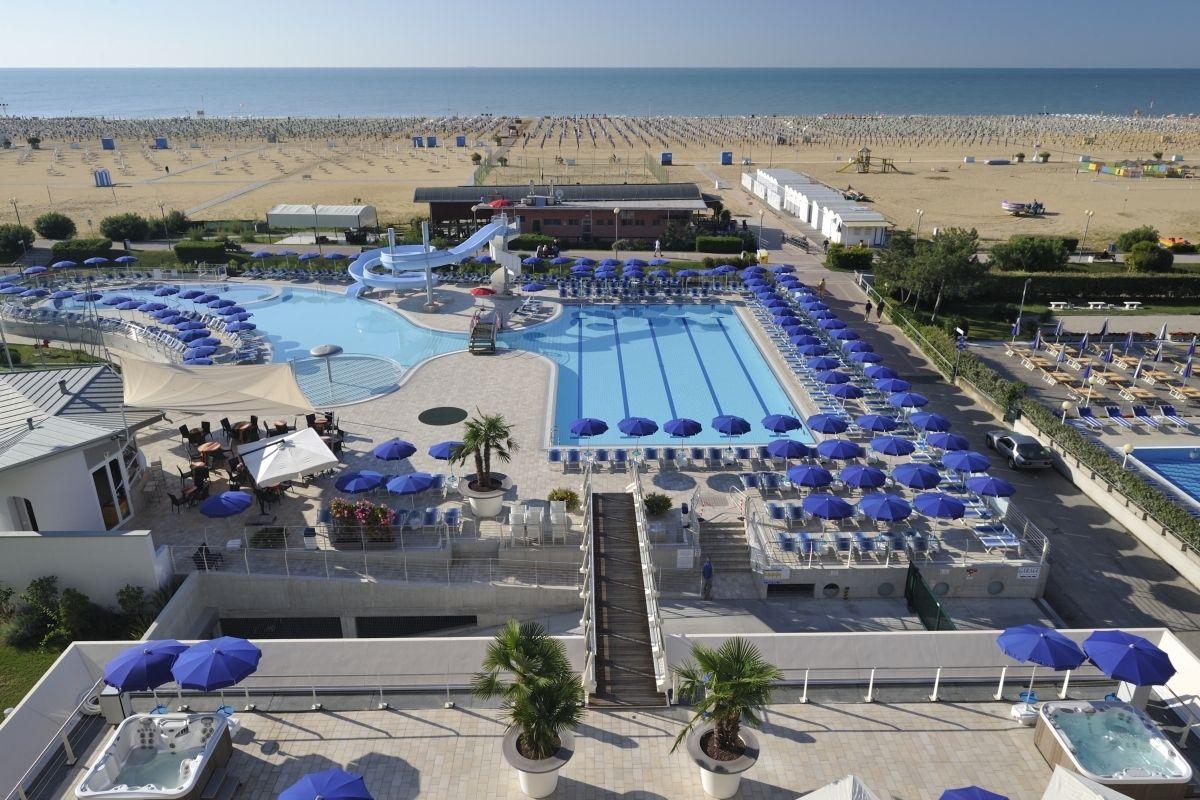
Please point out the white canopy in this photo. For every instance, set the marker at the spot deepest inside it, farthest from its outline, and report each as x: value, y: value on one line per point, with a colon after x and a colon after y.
x: 239, y: 391
x: 287, y: 215
x: 284, y: 458
x: 1068, y: 785
x: 847, y: 788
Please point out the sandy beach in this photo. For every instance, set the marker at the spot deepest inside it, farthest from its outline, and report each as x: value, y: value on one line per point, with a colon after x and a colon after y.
x: 227, y: 169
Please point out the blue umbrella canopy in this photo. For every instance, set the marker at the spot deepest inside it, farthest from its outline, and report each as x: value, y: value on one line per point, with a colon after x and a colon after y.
x: 786, y: 448
x: 1045, y: 647
x: 827, y: 423
x: 234, y: 327
x: 444, y: 451
x: 335, y: 256
x: 823, y: 315
x: 260, y: 254
x: 908, y: 400
x: 125, y: 259
x: 809, y: 476
x: 127, y: 305
x: 216, y: 663
x: 531, y: 261
x: 226, y: 504
x: 730, y: 425
x: 88, y: 297
x: 1129, y: 658
x: 831, y: 324
x: 204, y: 298
x: 220, y: 302
x: 827, y: 506
x: 63, y: 294
x: 533, y: 286
x: 394, y: 450
x: 95, y: 261
x: 780, y: 269
x: 780, y: 423
x: 928, y: 421
x: 580, y: 269
x: 990, y: 486
x: 659, y: 262
x: 966, y: 461
x: 839, y: 449
x: 35, y: 292
x: 866, y: 358
x: 822, y: 362
x: 892, y: 445
x: 846, y: 391
x: 687, y: 273
x: 947, y: 441
x: 588, y: 426
x: 876, y: 422
x: 877, y: 371
x: 884, y: 506
x: 584, y: 262
x: 857, y: 346
x: 410, y: 483
x: 191, y: 294
x: 330, y: 784
x: 559, y: 261
x: 916, y: 475
x: 814, y: 305
x: 33, y: 270
x: 115, y: 299
x: 858, y: 476
x: 481, y: 260
x: 145, y: 666
x: 939, y: 504
x: 970, y: 793
x: 637, y: 426
x: 152, y: 306
x: 844, y: 334
x: 12, y: 289
x: 682, y: 427
x: 831, y: 376
x: 775, y: 301
x: 812, y: 350
x: 892, y: 385
x: 198, y: 361
x: 63, y: 265
x: 358, y: 481
x: 206, y: 340
x: 660, y: 273
x: 199, y: 352
x: 229, y: 311
x: 801, y: 339
x: 165, y: 291
x: 192, y: 335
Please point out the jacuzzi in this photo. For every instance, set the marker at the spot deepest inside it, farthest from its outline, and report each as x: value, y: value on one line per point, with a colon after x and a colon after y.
x: 159, y: 756
x: 1115, y: 744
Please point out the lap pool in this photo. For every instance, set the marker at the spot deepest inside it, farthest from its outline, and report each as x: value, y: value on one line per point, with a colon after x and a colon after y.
x: 1177, y: 466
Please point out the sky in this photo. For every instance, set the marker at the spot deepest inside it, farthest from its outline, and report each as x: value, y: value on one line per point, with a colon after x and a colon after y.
x: 586, y: 33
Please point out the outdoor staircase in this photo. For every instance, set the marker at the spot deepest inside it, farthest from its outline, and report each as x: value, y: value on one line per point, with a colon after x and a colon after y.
x: 733, y: 577
x: 483, y: 335
x: 624, y: 667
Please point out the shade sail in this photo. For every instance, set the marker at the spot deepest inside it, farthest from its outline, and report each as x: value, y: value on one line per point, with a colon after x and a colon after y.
x: 224, y: 390
x: 285, y: 458
x: 847, y: 788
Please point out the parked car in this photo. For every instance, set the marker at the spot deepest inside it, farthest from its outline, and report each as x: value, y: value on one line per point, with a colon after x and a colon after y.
x: 1022, y: 452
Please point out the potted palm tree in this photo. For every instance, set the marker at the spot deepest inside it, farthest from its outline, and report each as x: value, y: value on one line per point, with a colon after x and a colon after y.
x: 486, y: 435
x: 543, y: 702
x: 728, y: 686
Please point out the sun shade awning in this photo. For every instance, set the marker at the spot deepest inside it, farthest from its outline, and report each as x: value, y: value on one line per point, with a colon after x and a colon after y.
x: 286, y: 458
x: 227, y: 391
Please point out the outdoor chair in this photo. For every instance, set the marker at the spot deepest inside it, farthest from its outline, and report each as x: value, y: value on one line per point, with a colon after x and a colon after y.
x: 669, y: 456
x: 771, y: 482
x: 620, y: 459
x: 776, y: 512
x: 533, y: 522
x: 795, y: 514
x: 554, y: 456
x: 787, y: 543
x: 1116, y: 416
x: 650, y: 454
x: 1142, y: 415
x: 714, y: 457
x: 177, y: 503
x: 810, y: 544
x: 431, y: 518
x: 749, y: 480
x: 1088, y: 418
x: 600, y: 457
x: 695, y: 456
x: 206, y: 429
x: 864, y: 543
x: 573, y: 460
x: 452, y: 520
x: 1168, y: 414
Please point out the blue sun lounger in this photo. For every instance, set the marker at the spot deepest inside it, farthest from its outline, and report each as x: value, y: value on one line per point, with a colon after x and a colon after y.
x: 1116, y: 416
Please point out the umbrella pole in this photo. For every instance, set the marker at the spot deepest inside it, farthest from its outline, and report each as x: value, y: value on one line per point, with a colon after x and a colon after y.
x: 1029, y: 693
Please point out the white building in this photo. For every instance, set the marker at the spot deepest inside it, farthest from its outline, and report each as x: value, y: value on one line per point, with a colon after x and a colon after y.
x: 298, y: 215
x: 823, y: 208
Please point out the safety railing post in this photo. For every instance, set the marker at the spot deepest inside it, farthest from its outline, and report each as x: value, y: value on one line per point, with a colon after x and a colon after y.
x: 937, y: 682
x: 804, y: 693
x: 325, y: 556
x: 870, y: 698
x: 316, y: 704
x: 1062, y: 695
x: 1000, y: 688
x: 68, y: 749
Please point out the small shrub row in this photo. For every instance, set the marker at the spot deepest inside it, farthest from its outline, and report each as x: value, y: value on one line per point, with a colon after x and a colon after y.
x: 190, y: 251
x: 1047, y: 287
x: 849, y: 259
x: 726, y: 244
x: 79, y: 250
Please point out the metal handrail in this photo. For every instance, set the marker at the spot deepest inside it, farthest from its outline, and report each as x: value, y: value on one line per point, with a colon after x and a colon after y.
x: 658, y: 649
x: 588, y: 595
x: 61, y: 737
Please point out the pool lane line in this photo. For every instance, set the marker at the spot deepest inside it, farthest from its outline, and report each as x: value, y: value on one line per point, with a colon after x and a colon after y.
x: 662, y: 367
x: 742, y: 364
x: 620, y: 365
x: 700, y: 362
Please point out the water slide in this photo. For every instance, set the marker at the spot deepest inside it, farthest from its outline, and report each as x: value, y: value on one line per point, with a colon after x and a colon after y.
x: 404, y: 266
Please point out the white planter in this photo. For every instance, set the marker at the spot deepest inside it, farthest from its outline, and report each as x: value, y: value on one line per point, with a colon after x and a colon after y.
x: 538, y: 778
x: 721, y: 779
x: 484, y: 504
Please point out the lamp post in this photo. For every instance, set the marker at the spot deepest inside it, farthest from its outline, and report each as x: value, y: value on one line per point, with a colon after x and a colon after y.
x: 920, y: 213
x: 13, y: 201
x: 162, y: 210
x: 316, y: 236
x: 1127, y: 449
x: 760, y: 228
x: 1021, y: 309
x: 1066, y: 406
x: 616, y: 231
x: 1087, y: 221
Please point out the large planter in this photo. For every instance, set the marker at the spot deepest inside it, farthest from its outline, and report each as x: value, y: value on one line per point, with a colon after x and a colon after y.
x: 485, y: 503
x: 721, y: 779
x: 538, y: 778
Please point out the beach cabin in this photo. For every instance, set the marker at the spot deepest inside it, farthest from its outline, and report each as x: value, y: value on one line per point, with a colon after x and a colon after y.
x: 160, y: 143
x: 300, y: 216
x: 726, y: 158
x: 108, y: 143
x: 460, y: 141
x: 855, y: 225
x: 664, y: 159
x: 418, y: 141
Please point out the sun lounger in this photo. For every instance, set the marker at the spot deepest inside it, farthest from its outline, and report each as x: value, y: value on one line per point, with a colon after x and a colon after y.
x: 554, y: 456
x: 749, y: 480
x: 1116, y: 416
x: 574, y: 460
x: 1168, y: 414
x: 1142, y: 415
x: 620, y: 459
x: 1088, y: 418
x: 669, y: 456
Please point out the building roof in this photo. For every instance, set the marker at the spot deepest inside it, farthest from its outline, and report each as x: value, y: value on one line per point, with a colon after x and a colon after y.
x: 626, y: 205
x: 300, y: 208
x: 859, y: 215
x: 577, y: 192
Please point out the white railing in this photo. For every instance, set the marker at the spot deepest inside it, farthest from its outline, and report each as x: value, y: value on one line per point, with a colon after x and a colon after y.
x: 62, y: 738
x: 588, y: 591
x: 658, y: 650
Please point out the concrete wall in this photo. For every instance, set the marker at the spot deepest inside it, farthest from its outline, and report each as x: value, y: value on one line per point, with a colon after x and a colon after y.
x: 61, y: 491
x: 960, y: 581
x: 97, y: 563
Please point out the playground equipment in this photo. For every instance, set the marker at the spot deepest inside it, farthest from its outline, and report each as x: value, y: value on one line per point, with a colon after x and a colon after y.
x: 1034, y: 209
x: 863, y: 162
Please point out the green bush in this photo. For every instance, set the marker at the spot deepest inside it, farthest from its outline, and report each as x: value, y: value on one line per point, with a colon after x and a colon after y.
x: 1149, y: 257
x: 177, y: 222
x: 191, y: 252
x: 1128, y: 239
x: 120, y: 227
x: 657, y: 504
x: 79, y: 250
x: 569, y: 495
x: 13, y: 355
x: 1030, y: 254
x: 1176, y: 287
x: 529, y: 241
x: 53, y: 225
x: 849, y: 259
x: 725, y: 244
x: 14, y: 240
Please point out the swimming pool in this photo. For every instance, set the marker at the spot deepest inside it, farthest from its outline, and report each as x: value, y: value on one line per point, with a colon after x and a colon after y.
x: 1177, y: 466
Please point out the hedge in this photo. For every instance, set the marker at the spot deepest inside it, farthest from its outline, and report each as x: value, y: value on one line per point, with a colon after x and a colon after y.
x: 191, y: 252
x: 529, y: 241
x: 849, y: 259
x: 725, y: 244
x: 78, y: 250
x: 1047, y: 288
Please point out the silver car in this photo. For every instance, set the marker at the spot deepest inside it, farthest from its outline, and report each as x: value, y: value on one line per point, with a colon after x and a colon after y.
x: 1022, y: 452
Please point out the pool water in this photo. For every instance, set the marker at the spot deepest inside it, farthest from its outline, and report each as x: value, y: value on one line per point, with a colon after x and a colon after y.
x: 1109, y: 740
x: 1178, y: 466
x: 147, y: 766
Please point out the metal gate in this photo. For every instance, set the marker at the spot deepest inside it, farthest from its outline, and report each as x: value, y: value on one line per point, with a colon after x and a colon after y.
x: 922, y: 601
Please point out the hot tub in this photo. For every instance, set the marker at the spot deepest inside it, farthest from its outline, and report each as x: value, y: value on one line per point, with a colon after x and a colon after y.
x: 159, y: 756
x: 1115, y: 744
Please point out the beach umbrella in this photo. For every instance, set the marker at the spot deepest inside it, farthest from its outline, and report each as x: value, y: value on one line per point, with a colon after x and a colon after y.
x: 831, y: 324
x: 204, y: 298
x: 532, y: 261
x: 687, y: 273
x: 780, y: 423
x: 95, y: 261
x: 394, y: 450
x: 878, y: 371
x: 606, y: 274
x: 12, y: 289
x: 199, y: 352
x: 1128, y: 658
x: 660, y: 273
x: 908, y: 400
x: 358, y: 481
x: 336, y: 256
x: 884, y: 506
x: 444, y: 451
x: 796, y: 329
x: 199, y: 361
x: 165, y: 291
x: 809, y: 476
x: 126, y: 305
x: 827, y: 423
x: 330, y: 784
x: 584, y: 262
x: 229, y: 311
x: 833, y: 376
x: 220, y: 302
x: 152, y: 305
x: 892, y: 445
x: 482, y: 291
x: 783, y: 315
x: 966, y: 461
x: 115, y: 299
x: 844, y: 334
x: 892, y: 385
x: 827, y: 506
x: 940, y: 505
x: 163, y: 313
x: 989, y: 486
x: 846, y: 391
x: 812, y: 350
x: 786, y: 448
x: 211, y: 341
x: 802, y: 339
x: 857, y: 346
x: 215, y: 664
x: 190, y: 325
x: 560, y: 261
x: 839, y: 449
x: 866, y: 358
x: 780, y: 269
x: 682, y: 427
x: 659, y: 262
x: 876, y: 422
x: 823, y: 316
x: 143, y: 667
x: 234, y: 327
x: 814, y: 305
x: 580, y: 269
x: 730, y: 425
x: 822, y: 362
x: 410, y: 483
x: 533, y: 286
x: 588, y: 426
x: 611, y: 262
x: 485, y: 260
x: 637, y: 426
x: 63, y: 265
x: 928, y: 421
x: 948, y: 441
x: 63, y: 294
x: 634, y: 262
x: 190, y: 294
x: 308, y: 256
x: 775, y: 302
x: 88, y: 297
x: 125, y: 259
x: 970, y: 793
x: 226, y: 504
x: 39, y: 292
x: 33, y: 270
x: 916, y: 475
x: 857, y: 476
x: 1045, y: 647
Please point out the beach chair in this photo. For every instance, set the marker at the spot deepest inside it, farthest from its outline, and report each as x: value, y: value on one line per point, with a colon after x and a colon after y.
x: 864, y: 543
x: 533, y: 522
x: 762, y: 455
x: 1088, y: 418
x: 452, y: 520
x: 740, y: 455
x: 777, y: 513
x: 714, y: 457
x: 843, y: 545
x: 1142, y: 415
x: 771, y: 482
x: 919, y: 544
x: 1170, y: 415
x: 430, y: 518
x: 649, y: 454
x: 696, y: 456
x: 620, y: 459
x: 795, y: 514
x: 1116, y: 416
x: 749, y: 480
x: 600, y: 457
x: 787, y: 543
x: 574, y: 460
x: 554, y: 456
x: 669, y: 456
x: 516, y: 524
x: 810, y: 544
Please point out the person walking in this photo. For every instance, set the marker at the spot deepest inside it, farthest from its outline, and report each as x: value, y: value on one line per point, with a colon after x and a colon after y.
x: 821, y: 288
x: 867, y: 316
x: 657, y: 249
x: 879, y: 313
x: 706, y: 578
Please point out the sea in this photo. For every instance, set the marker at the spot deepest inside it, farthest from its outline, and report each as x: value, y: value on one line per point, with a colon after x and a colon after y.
x: 320, y: 92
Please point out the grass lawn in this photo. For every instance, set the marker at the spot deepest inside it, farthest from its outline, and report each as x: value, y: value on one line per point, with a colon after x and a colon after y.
x: 20, y: 670
x: 35, y: 357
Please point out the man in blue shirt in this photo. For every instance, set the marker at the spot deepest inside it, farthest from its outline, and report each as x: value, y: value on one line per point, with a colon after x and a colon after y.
x: 706, y: 573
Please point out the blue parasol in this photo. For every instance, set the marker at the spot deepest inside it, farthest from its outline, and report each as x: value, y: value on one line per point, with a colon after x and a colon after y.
x: 682, y: 427
x: 809, y: 476
x: 884, y: 506
x: 916, y: 475
x: 892, y: 445
x: 358, y: 481
x: 827, y: 506
x: 394, y: 450
x: 780, y: 423
x: 330, y: 784
x: 216, y: 663
x: 730, y: 425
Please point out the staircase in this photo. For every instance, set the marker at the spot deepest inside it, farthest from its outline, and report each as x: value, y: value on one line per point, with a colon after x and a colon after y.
x: 624, y: 667
x: 733, y: 576
x: 483, y: 335
x: 725, y: 543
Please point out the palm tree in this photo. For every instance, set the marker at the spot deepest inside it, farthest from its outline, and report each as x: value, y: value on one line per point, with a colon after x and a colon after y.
x: 736, y: 681
x: 544, y: 698
x: 486, y: 435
